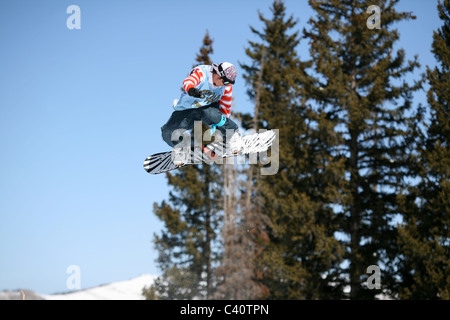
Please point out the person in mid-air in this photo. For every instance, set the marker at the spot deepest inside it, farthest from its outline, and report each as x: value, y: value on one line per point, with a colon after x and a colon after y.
x: 206, y: 97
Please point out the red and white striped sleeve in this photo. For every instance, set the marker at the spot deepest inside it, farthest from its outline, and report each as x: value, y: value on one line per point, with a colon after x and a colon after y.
x: 196, y: 76
x: 225, y: 101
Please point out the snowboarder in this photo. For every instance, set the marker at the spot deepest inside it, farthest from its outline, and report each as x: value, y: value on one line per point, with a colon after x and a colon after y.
x: 206, y: 97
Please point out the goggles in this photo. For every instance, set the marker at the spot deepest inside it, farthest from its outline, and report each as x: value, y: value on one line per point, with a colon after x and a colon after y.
x: 219, y: 70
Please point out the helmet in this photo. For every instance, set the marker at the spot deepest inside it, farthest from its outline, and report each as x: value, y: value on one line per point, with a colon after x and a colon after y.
x: 226, y: 71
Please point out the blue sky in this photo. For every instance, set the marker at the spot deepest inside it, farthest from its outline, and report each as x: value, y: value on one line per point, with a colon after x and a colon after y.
x: 81, y: 109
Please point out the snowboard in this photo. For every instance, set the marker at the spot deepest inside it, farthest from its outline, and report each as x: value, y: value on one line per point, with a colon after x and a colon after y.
x: 253, y: 143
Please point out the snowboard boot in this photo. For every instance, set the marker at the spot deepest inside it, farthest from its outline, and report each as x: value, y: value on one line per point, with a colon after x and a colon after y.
x: 180, y: 155
x: 235, y: 143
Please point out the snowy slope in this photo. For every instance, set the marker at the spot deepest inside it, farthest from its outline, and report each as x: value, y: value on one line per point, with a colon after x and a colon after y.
x: 122, y: 290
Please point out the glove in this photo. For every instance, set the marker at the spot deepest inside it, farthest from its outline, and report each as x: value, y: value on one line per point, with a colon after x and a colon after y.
x: 194, y: 92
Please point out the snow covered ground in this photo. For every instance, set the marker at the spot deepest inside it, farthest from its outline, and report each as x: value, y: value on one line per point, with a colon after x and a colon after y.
x: 122, y: 290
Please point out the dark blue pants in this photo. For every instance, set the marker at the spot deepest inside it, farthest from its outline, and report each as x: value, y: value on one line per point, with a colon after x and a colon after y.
x: 185, y: 119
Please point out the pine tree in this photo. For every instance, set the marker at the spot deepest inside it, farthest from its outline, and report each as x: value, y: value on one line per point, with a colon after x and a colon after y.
x: 243, y: 228
x: 425, y: 235
x: 300, y: 252
x: 186, y: 246
x: 361, y: 88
